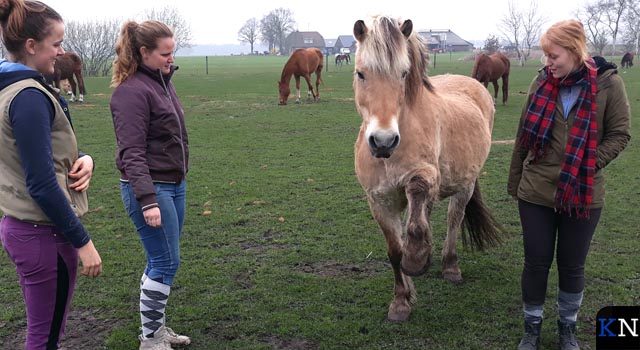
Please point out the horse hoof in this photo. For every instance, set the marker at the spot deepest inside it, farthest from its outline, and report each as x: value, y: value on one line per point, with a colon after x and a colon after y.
x: 415, y: 267
x: 399, y: 316
x: 455, y: 278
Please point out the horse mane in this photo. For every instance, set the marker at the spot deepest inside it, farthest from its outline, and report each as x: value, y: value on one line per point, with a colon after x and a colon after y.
x: 386, y: 50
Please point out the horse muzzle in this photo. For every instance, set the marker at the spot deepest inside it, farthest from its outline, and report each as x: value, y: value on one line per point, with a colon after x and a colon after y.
x: 382, y: 144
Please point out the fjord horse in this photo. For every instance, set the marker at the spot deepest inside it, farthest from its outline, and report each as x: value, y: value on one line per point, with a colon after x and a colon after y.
x: 303, y: 62
x: 490, y: 68
x: 627, y: 60
x: 422, y: 139
x: 69, y: 66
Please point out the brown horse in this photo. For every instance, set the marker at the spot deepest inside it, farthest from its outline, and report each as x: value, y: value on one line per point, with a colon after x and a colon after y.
x: 303, y: 62
x: 69, y: 66
x: 490, y: 68
x: 422, y: 139
x: 342, y: 58
x: 627, y: 60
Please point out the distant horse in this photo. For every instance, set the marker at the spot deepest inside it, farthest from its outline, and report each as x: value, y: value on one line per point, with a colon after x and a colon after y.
x: 421, y: 140
x: 627, y: 60
x: 69, y: 66
x: 303, y: 62
x: 342, y: 58
x: 490, y: 68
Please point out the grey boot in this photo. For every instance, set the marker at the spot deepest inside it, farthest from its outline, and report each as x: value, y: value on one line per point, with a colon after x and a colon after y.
x: 531, y: 338
x: 567, y: 334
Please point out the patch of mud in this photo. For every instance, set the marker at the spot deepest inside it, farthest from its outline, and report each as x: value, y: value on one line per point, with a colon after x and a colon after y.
x: 83, y: 332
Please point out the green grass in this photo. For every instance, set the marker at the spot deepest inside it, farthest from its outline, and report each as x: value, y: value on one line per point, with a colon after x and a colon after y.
x: 290, y: 257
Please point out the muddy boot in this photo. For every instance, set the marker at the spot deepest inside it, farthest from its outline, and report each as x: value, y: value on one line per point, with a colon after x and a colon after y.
x: 531, y: 338
x: 567, y: 335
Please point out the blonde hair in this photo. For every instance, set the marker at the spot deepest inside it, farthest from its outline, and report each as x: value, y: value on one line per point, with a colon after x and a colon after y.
x: 132, y: 37
x: 568, y: 34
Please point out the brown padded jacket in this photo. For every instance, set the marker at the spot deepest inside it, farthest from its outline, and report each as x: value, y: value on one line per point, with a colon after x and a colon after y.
x: 150, y: 129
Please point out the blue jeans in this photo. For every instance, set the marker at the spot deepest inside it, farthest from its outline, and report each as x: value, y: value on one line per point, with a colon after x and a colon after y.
x: 161, y: 244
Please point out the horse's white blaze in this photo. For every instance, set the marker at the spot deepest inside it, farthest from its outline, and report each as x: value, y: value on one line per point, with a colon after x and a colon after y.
x: 374, y: 127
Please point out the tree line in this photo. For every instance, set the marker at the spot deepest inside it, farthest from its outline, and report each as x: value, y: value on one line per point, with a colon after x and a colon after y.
x: 271, y: 30
x: 94, y: 41
x: 607, y: 23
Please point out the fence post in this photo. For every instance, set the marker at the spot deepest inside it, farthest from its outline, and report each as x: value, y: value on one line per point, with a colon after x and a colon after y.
x: 206, y: 59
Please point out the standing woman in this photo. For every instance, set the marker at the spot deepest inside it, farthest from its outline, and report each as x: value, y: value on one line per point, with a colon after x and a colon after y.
x: 576, y: 121
x: 153, y: 158
x: 43, y: 178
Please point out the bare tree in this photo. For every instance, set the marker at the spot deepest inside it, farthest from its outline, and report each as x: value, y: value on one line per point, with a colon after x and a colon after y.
x: 512, y: 28
x: 276, y: 26
x: 172, y: 18
x: 532, y: 22
x: 591, y: 17
x: 94, y: 43
x: 249, y: 32
x: 613, y: 11
x: 632, y: 27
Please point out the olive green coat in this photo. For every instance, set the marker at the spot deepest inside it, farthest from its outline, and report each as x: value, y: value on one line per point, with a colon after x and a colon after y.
x: 536, y: 182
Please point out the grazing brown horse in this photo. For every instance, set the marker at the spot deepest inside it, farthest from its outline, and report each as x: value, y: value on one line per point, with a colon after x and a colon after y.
x: 342, y: 58
x: 303, y: 62
x: 422, y: 139
x: 490, y: 68
x: 627, y: 60
x: 69, y: 66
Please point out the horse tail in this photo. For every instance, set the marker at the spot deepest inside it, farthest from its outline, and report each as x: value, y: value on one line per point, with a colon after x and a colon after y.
x: 482, y: 229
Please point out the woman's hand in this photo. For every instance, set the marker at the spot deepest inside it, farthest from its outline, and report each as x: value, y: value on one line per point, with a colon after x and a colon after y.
x: 81, y: 172
x: 90, y: 259
x: 152, y: 217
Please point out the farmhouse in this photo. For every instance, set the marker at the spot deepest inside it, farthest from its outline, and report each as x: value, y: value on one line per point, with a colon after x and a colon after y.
x: 302, y: 40
x: 444, y: 40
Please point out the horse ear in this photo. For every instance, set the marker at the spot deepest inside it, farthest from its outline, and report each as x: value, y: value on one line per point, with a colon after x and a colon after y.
x: 359, y: 30
x: 406, y: 28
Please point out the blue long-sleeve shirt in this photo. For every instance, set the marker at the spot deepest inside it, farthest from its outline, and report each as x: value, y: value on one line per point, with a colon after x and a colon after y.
x: 31, y: 115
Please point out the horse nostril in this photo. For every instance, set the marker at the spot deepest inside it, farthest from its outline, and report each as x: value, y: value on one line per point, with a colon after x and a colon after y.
x: 396, y: 141
x: 372, y: 142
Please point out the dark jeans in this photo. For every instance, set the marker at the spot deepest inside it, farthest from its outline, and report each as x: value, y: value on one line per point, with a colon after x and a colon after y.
x: 47, y: 266
x: 546, y: 232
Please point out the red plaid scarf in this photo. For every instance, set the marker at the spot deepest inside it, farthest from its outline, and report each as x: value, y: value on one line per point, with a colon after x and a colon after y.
x: 575, y: 187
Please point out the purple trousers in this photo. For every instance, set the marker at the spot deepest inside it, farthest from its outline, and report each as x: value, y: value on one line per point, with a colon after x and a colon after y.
x: 47, y: 266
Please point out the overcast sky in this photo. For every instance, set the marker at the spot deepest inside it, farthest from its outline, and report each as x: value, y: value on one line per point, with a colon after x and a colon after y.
x: 218, y: 22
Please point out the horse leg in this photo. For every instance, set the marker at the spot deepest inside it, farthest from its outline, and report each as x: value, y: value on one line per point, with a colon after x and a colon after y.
x: 404, y: 294
x: 495, y: 90
x: 455, y: 215
x: 416, y: 257
x: 297, y: 88
x: 82, y: 90
x: 505, y: 89
x: 72, y: 82
x: 310, y: 92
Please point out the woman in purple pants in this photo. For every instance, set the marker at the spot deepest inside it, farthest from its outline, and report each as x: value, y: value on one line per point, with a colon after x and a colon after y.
x: 43, y: 178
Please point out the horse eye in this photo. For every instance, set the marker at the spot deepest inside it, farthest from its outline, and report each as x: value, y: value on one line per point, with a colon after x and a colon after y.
x: 404, y: 74
x: 360, y: 75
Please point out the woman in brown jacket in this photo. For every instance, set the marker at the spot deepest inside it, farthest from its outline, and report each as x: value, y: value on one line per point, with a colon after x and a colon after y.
x: 575, y: 121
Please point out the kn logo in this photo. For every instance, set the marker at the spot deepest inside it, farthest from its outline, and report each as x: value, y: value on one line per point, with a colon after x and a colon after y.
x: 617, y: 328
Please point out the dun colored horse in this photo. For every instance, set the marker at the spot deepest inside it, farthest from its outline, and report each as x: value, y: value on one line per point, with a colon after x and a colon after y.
x: 69, y: 66
x: 422, y: 139
x: 627, y: 60
x: 303, y: 62
x: 490, y: 68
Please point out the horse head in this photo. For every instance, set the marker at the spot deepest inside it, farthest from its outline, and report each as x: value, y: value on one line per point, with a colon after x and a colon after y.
x: 390, y: 66
x: 285, y: 91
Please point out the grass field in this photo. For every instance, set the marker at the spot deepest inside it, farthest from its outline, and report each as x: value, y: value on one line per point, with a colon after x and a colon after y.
x: 279, y: 248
